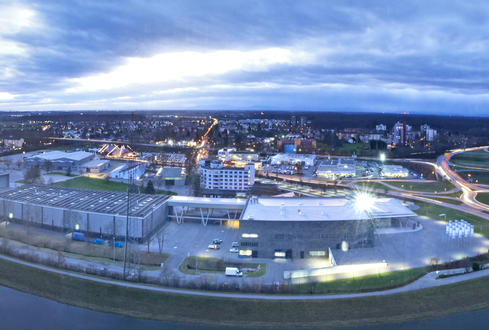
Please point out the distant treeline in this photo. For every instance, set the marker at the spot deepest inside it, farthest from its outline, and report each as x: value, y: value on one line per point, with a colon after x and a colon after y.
x: 474, y: 126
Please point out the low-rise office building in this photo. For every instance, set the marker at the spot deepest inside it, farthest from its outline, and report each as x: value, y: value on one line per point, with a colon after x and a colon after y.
x: 337, y: 168
x: 395, y: 171
x: 292, y: 159
x: 172, y: 176
x: 308, y: 227
x: 60, y: 160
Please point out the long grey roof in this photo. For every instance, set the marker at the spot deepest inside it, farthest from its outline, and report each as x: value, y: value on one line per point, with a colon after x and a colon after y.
x: 98, y: 201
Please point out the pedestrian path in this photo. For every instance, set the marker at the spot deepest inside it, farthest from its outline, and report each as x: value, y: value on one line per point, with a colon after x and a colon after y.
x: 427, y: 281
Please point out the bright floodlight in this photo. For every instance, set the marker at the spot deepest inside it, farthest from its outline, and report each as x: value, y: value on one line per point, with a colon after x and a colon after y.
x: 363, y: 201
x: 382, y: 157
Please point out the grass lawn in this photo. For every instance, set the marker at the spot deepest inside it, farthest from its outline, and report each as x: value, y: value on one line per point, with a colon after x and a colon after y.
x: 215, y: 265
x: 432, y: 210
x: 372, y: 184
x: 431, y: 186
x: 78, y: 248
x: 471, y: 159
x: 363, y: 283
x: 90, y: 183
x: 483, y: 198
x: 99, y: 184
x: 229, y: 312
x: 453, y: 194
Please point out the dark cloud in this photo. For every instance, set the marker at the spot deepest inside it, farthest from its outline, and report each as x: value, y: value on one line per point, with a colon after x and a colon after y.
x: 368, y: 46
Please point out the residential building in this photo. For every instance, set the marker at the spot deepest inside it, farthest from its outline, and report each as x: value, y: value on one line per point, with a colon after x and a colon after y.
x: 399, y: 134
x: 13, y: 143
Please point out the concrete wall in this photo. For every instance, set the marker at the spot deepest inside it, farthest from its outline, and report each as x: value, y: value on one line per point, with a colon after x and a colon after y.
x: 303, y: 236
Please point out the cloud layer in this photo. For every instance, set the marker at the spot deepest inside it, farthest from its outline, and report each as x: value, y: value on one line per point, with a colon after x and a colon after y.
x: 312, y: 55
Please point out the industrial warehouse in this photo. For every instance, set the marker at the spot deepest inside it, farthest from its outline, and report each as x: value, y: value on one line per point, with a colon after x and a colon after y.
x: 93, y: 212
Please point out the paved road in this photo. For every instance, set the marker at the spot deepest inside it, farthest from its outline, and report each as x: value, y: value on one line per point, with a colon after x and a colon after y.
x: 470, y: 190
x: 426, y: 281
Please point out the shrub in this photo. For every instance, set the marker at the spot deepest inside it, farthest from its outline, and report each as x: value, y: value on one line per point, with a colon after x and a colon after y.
x: 475, y: 266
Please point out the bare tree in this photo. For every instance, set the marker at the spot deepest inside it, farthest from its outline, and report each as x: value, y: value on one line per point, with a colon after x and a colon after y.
x: 60, y: 259
x: 29, y: 214
x: 160, y: 238
x: 32, y: 175
x: 48, y: 166
x: 8, y: 162
x: 166, y: 274
x: 71, y: 219
x: 19, y: 163
x: 158, y: 183
x: 434, y: 263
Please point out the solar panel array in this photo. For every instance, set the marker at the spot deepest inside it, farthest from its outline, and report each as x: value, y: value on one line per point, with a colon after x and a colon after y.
x: 107, y: 202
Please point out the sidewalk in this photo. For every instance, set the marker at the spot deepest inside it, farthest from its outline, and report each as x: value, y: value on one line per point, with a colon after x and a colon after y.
x: 426, y: 281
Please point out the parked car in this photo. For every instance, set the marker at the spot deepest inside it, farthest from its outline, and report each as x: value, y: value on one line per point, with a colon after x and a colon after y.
x: 213, y: 247
x: 235, y: 244
x: 234, y: 250
x: 217, y: 241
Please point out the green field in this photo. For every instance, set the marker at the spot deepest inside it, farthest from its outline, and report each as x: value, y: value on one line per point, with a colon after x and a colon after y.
x: 372, y: 184
x: 78, y: 249
x: 218, y: 311
x: 364, y: 283
x: 96, y: 184
x: 483, y: 198
x: 431, y: 186
x: 477, y: 158
x: 100, y: 184
x: 433, y: 211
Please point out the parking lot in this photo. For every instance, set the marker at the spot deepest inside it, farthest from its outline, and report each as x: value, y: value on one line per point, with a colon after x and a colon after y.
x: 401, y: 250
x: 193, y: 238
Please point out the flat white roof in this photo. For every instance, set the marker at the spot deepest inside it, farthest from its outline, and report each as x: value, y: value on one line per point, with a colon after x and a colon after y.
x: 96, y: 162
x: 54, y: 155
x: 320, y: 209
x: 205, y: 202
x: 294, y: 156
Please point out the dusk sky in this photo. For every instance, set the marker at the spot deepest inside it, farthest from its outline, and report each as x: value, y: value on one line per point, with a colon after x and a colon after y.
x: 382, y: 56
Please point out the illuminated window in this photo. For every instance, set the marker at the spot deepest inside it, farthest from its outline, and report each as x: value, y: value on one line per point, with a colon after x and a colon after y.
x: 245, y: 252
x: 249, y: 235
x: 279, y: 254
x: 317, y: 253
